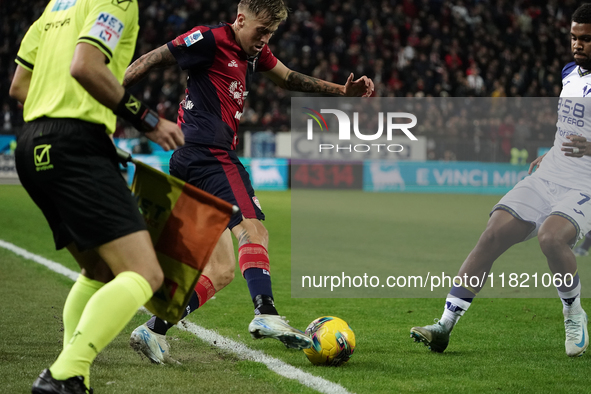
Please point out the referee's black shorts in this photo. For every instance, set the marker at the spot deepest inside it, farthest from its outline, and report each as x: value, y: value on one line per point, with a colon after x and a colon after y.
x: 219, y: 172
x: 70, y: 169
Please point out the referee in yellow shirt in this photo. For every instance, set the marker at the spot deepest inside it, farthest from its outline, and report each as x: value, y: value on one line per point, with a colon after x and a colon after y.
x: 70, y: 66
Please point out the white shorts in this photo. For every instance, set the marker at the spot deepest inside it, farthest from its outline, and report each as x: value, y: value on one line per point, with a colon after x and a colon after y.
x: 534, y: 199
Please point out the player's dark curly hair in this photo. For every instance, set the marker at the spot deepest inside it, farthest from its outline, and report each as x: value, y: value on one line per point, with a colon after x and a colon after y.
x: 582, y: 14
x: 274, y: 11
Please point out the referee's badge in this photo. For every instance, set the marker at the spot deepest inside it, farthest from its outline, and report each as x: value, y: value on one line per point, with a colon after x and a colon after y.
x: 106, y: 31
x: 133, y: 105
x: 123, y: 4
x: 62, y: 5
x: 42, y: 159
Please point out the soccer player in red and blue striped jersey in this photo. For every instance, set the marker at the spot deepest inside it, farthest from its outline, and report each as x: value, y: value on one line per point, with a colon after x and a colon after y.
x: 220, y: 61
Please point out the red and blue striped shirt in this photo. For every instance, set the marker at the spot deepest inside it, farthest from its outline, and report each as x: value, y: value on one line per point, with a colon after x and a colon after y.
x: 220, y: 73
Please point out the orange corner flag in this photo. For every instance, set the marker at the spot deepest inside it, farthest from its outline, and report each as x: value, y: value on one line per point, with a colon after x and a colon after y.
x: 185, y: 223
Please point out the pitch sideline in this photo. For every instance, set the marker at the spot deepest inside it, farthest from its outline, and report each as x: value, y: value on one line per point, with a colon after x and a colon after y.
x: 211, y: 337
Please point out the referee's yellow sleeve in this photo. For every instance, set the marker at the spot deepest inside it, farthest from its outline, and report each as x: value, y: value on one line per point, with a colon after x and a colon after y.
x: 27, y: 54
x: 105, y: 24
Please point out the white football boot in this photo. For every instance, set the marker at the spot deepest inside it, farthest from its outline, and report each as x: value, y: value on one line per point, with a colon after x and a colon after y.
x: 577, y: 336
x: 152, y: 345
x: 435, y: 336
x: 274, y: 326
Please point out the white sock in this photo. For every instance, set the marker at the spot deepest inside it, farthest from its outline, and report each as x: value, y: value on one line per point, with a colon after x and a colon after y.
x: 571, y: 309
x: 454, y: 309
x: 571, y: 300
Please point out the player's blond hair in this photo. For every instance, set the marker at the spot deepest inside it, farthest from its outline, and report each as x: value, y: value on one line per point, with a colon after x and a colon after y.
x: 272, y: 11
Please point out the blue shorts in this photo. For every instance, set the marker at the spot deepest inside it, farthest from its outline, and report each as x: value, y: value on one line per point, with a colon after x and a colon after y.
x: 219, y: 172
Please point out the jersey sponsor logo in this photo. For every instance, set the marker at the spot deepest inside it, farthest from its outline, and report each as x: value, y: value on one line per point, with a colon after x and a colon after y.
x: 238, y: 115
x: 233, y: 64
x: 108, y: 29
x: 193, y: 38
x: 42, y: 159
x: 579, y: 212
x: 586, y: 90
x: 62, y: 5
x: 572, y: 112
x: 237, y: 91
x: 187, y: 104
x: 123, y: 4
x: 57, y: 24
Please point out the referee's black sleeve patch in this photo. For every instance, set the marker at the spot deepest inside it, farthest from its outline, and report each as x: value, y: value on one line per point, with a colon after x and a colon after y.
x: 123, y: 4
x: 100, y: 44
x: 25, y: 63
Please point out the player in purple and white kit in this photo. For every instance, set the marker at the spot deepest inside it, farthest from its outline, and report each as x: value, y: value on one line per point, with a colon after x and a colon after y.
x: 554, y: 203
x: 220, y: 61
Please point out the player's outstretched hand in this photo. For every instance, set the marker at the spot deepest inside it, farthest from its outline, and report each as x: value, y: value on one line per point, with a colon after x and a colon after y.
x: 536, y: 163
x: 577, y: 147
x: 363, y: 87
x: 167, y: 135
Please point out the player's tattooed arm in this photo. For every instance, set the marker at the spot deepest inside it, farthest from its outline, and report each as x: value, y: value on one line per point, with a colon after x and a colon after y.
x: 158, y: 58
x: 304, y: 83
x: 243, y: 238
x: 293, y: 80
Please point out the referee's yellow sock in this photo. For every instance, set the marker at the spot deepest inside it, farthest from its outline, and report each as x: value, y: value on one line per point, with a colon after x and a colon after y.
x: 77, y: 299
x: 105, y: 315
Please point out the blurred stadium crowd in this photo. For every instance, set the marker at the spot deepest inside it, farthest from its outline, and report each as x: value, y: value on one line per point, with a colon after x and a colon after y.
x: 410, y: 48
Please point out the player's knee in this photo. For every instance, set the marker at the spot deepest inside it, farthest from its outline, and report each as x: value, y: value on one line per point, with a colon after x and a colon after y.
x: 491, y: 238
x: 220, y: 277
x: 550, y: 243
x: 498, y: 238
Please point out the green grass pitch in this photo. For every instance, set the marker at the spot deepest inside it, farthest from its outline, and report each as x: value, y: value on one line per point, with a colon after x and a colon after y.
x: 500, y: 345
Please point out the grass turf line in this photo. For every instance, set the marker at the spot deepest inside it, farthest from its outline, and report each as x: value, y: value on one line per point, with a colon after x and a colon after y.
x: 500, y: 345
x: 32, y: 339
